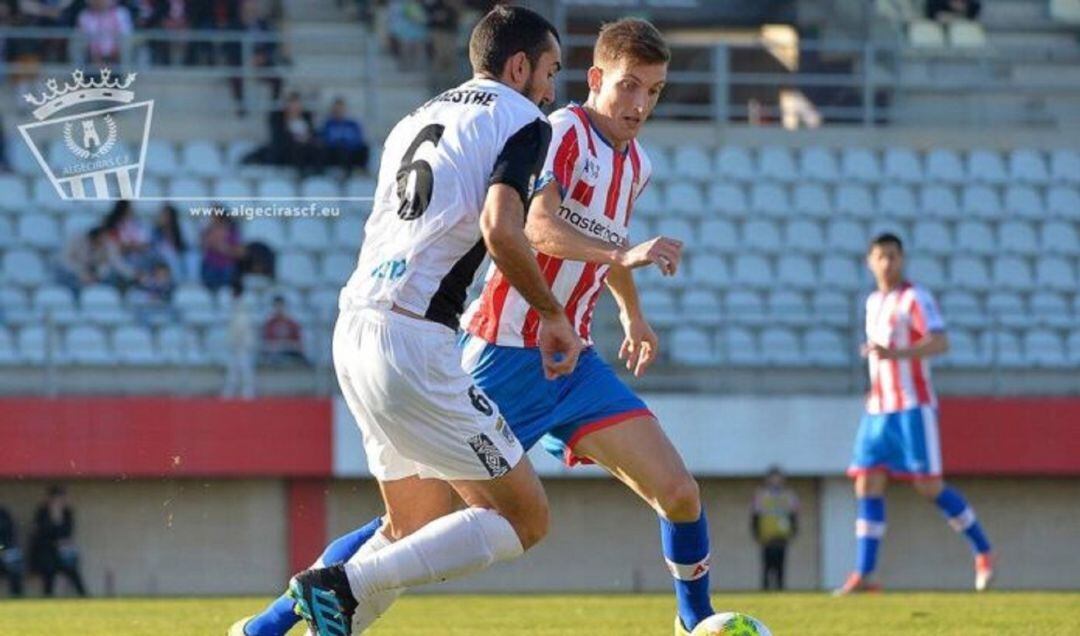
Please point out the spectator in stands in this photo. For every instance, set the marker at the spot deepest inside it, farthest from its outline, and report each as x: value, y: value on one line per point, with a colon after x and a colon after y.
x: 949, y: 9
x: 240, y: 365
x: 54, y: 551
x: 50, y: 14
x: 151, y: 297
x: 106, y: 25
x: 127, y: 245
x: 407, y: 23
x: 167, y: 242
x: 293, y: 141
x: 343, y: 139
x: 775, y: 521
x: 83, y: 260
x: 11, y: 559
x: 168, y: 15
x: 222, y: 251
x: 442, y: 25
x: 281, y: 338
x: 252, y: 20
x: 4, y: 165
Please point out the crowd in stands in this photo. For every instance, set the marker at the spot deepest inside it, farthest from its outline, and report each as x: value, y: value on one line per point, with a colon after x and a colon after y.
x: 296, y: 140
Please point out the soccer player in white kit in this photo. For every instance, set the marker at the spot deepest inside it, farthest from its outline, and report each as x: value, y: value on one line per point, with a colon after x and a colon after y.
x: 453, y: 184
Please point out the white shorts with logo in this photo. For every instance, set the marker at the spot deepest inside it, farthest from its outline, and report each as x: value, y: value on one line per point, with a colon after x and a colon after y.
x: 419, y: 412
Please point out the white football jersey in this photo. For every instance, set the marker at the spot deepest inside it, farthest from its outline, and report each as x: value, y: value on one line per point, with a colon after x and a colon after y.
x: 422, y: 243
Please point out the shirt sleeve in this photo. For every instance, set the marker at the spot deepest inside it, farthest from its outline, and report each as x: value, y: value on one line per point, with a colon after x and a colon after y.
x: 521, y: 157
x: 563, y: 161
x: 925, y: 316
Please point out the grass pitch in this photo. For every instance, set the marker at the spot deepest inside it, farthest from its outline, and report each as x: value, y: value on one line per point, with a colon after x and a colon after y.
x: 937, y: 614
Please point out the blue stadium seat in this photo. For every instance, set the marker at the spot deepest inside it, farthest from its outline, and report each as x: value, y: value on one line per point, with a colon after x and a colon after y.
x: 361, y: 187
x: 135, y: 346
x: 649, y: 202
x: 85, y: 344
x: 831, y: 307
x: 39, y: 231
x: 319, y: 187
x: 215, y: 344
x: 272, y: 187
x: 817, y: 163
x: 846, y: 237
x: 761, y: 236
x: 898, y: 201
x: 753, y: 270
x: 826, y: 348
x: 15, y: 308
x: 966, y: 272
x: 1024, y: 201
x: 1006, y: 349
x: 1074, y: 347
x: 963, y: 309
x: 297, y: 269
x: 1051, y: 310
x: 926, y: 271
x: 1055, y: 273
x: 232, y: 187
x: 811, y: 199
x: 1044, y: 348
x: 974, y: 237
x: 840, y: 272
x: 707, y: 270
x: 161, y: 158
x: 728, y: 199
x: 804, y: 236
x: 188, y: 188
x: 939, y: 201
x: 701, y: 307
x: 23, y: 160
x: 102, y: 305
x: 324, y: 302
x: 965, y: 351
x: 684, y: 198
x: 859, y: 164
x: 854, y: 200
x: 236, y: 150
x: 1059, y: 237
x: 980, y: 201
x: 788, y: 307
x: 986, y: 166
x: 903, y: 165
x: 661, y: 163
x: 944, y: 166
x: 196, y: 305
x: 718, y: 235
x: 780, y: 347
x: 795, y: 271
x: 1018, y: 237
x: 745, y: 307
x: 659, y: 308
x: 1063, y: 202
x: 1065, y: 166
x: 55, y: 304
x: 740, y: 347
x: 7, y: 233
x: 1007, y: 308
x: 202, y: 158
x: 932, y: 238
x: 692, y: 347
x: 770, y: 199
x: 337, y: 266
x: 35, y: 344
x: 13, y: 193
x: 735, y: 162
x: 1028, y: 166
x: 9, y: 354
x: 179, y: 345
x: 777, y: 163
x: 267, y: 230
x: 677, y: 228
x: 310, y: 234
x: 692, y: 162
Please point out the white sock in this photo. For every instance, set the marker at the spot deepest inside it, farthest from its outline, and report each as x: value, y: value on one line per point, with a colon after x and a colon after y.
x: 460, y: 543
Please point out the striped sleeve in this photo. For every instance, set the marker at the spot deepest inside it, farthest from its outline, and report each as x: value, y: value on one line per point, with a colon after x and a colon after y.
x: 563, y: 163
x: 925, y: 316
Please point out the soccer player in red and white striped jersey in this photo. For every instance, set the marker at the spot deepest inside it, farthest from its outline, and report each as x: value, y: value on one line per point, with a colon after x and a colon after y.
x: 898, y: 436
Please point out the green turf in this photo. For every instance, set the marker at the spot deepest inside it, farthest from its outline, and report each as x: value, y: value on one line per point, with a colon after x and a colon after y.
x: 1022, y: 614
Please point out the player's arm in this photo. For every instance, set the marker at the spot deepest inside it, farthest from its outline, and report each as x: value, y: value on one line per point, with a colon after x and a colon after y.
x: 551, y: 235
x: 932, y: 344
x: 640, y: 345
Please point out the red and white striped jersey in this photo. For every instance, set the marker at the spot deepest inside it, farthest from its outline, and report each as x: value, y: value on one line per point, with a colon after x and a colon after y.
x: 898, y: 319
x: 598, y: 186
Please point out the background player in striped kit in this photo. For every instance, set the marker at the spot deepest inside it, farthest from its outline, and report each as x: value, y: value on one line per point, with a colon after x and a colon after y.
x: 898, y: 436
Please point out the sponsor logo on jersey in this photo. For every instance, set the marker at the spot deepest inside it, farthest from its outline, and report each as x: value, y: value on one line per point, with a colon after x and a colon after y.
x: 490, y: 455
x: 390, y: 269
x: 591, y: 226
x: 505, y: 431
x: 465, y: 97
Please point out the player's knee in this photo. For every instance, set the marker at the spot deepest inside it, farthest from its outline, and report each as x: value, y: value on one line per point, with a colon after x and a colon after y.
x: 929, y: 488
x: 681, y: 501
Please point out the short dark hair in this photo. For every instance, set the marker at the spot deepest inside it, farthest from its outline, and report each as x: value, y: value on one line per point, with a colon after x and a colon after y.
x: 885, y: 238
x: 632, y: 39
x: 504, y: 32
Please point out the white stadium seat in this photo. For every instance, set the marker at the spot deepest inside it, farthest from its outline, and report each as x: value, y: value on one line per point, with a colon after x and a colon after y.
x: 859, y: 164
x: 932, y: 238
x: 854, y: 200
x: 1056, y: 273
x: 780, y: 347
x: 777, y: 163
x: 966, y: 34
x: 903, y: 165
x: 718, y: 235
x: 925, y: 34
x: 817, y: 163
x: 1024, y: 201
x: 840, y: 272
x: 324, y: 302
x: 825, y: 348
x: 1063, y: 202
x: 1058, y: 237
x: 135, y: 346
x: 795, y: 271
x: 85, y: 344
x: 691, y: 346
x: 986, y: 166
x: 939, y: 201
x: 981, y: 201
x: 761, y: 236
x: 735, y: 162
x: 728, y: 199
x: 804, y: 236
x: 1028, y: 166
x: 740, y: 347
x: 770, y: 199
x: 692, y: 162
x: 898, y: 201
x: 745, y: 307
x: 811, y: 199
x: 926, y: 271
x: 973, y: 237
x: 1065, y: 166
x: 944, y: 166
x: 967, y: 272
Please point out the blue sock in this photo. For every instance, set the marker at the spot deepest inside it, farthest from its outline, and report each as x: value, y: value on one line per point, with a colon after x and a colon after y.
x: 686, y: 550
x: 962, y: 519
x: 278, y: 617
x: 869, y: 529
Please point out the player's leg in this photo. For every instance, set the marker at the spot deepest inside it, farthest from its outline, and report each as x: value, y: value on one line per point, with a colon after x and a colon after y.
x: 875, y: 452
x: 639, y: 454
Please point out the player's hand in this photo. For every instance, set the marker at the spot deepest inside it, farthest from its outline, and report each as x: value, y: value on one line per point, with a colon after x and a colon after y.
x: 881, y: 352
x: 640, y: 346
x: 665, y: 252
x: 559, y: 345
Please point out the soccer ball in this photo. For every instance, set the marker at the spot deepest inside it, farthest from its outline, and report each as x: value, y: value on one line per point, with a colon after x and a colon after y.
x: 730, y: 624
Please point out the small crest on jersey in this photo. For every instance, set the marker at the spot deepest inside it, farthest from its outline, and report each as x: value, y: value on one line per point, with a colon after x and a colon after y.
x: 590, y: 173
x: 489, y: 454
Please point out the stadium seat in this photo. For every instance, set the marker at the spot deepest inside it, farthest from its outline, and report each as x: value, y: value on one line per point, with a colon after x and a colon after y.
x: 817, y: 163
x: 859, y: 164
x: 1063, y: 202
x: 1006, y: 349
x: 840, y: 272
x: 188, y: 189
x: 926, y: 271
x: 37, y: 344
x: 973, y: 237
x: 1006, y: 308
x: 1058, y: 237
x: 963, y: 309
x: 795, y: 271
x: 179, y: 345
x: 780, y: 347
x: 1018, y: 237
x: 964, y: 350
x: 13, y: 193
x: 319, y: 187
x: 360, y: 187
x: 39, y: 231
x: 231, y: 187
x: 1044, y: 348
x: 966, y: 272
x: 925, y: 34
x: 825, y: 348
x: 85, y: 344
x: 740, y: 347
x: 707, y: 270
x: 196, y: 305
x: 1065, y: 166
x: 649, y: 202
x: 728, y: 199
x: 202, y: 158
x: 770, y: 199
x: 692, y: 162
x: 745, y: 307
x: 832, y: 308
x: 1074, y: 347
x: 753, y: 270
x: 898, y: 201
x: 22, y: 159
x: 761, y: 236
x: 7, y: 232
x: 135, y: 346
x: 777, y: 163
x: 309, y: 234
x: 661, y: 163
x: 846, y: 237
x: 788, y: 307
x: 677, y: 228
x: 102, y: 305
x: 9, y: 354
x: 684, y: 198
x: 804, y: 236
x: 55, y: 305
x: 23, y: 267
x: 854, y: 200
x: 658, y: 305
x: 1024, y: 201
x: 1028, y: 166
x: 903, y: 165
x: 701, y: 307
x: 297, y: 269
x: 1065, y: 11
x: 276, y: 188
x: 15, y: 306
x: 43, y: 196
x: 939, y: 201
x: 718, y: 235
x: 966, y: 34
x: 735, y: 162
x: 691, y: 346
x: 1055, y: 273
x: 986, y: 166
x: 980, y: 201
x: 944, y: 166
x: 811, y: 199
x: 337, y: 267
x: 932, y: 238
x: 215, y: 344
x: 1050, y: 309
x: 161, y: 159
x: 267, y: 230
